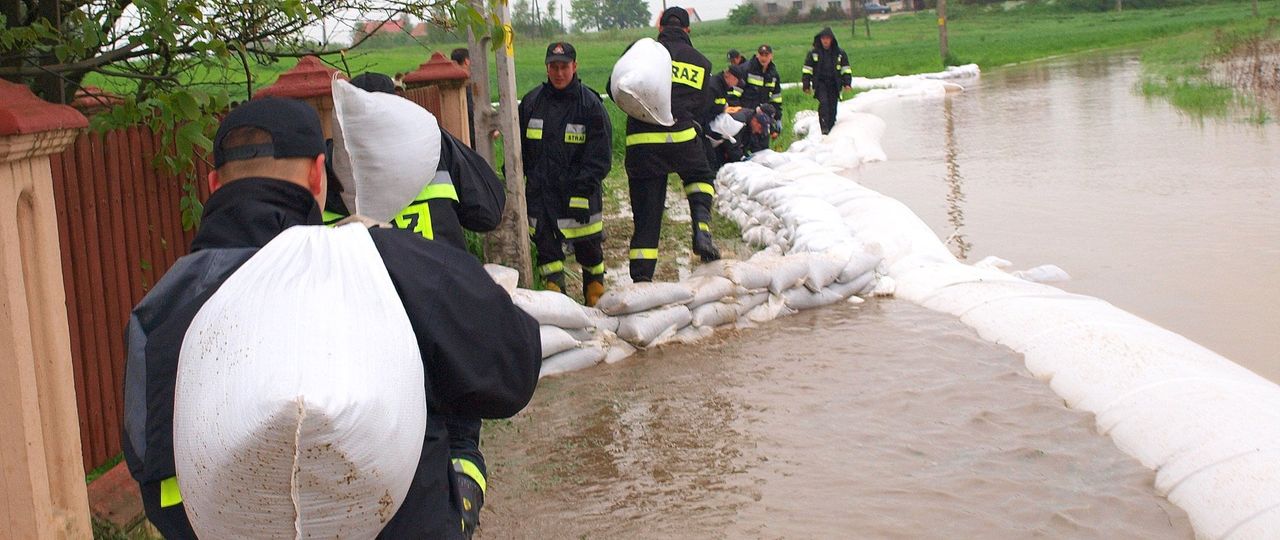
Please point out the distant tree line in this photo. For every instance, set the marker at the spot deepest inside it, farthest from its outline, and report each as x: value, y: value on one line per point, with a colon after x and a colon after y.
x: 609, y: 14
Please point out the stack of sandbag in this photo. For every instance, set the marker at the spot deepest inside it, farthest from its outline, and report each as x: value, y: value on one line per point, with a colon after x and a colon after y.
x: 641, y: 83
x: 277, y: 434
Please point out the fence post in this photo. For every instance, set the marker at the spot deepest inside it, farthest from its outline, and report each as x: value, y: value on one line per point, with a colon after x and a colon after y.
x: 41, y: 468
x: 451, y: 79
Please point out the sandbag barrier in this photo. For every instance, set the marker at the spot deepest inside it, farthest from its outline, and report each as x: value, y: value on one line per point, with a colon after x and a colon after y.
x: 725, y: 294
x: 1208, y: 427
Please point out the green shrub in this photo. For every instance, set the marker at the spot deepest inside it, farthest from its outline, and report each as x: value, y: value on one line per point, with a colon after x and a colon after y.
x: 744, y: 14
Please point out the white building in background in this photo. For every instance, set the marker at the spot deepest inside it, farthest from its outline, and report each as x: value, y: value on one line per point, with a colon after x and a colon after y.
x: 773, y: 10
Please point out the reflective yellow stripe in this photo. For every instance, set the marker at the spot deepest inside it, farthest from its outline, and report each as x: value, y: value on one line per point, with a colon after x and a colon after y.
x: 777, y: 98
x: 807, y: 69
x: 688, y: 74
x: 814, y: 56
x: 575, y: 138
x: 533, y: 134
x: 662, y: 137
x: 585, y: 230
x: 331, y: 218
x: 551, y: 267
x: 644, y: 253
x: 848, y: 70
x: 757, y: 80
x: 772, y: 84
x: 721, y: 101
x: 472, y: 471
x: 417, y: 218
x: 170, y: 495
x: 579, y: 202
x: 439, y: 191
x: 532, y: 230
x: 735, y: 91
x: 700, y: 187
x: 597, y: 269
x: 704, y: 227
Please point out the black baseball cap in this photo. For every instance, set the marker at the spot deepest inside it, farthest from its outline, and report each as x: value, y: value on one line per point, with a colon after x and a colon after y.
x: 561, y: 51
x: 293, y: 125
x: 370, y: 81
x: 679, y: 13
x: 733, y: 53
x: 740, y: 71
x: 764, y: 49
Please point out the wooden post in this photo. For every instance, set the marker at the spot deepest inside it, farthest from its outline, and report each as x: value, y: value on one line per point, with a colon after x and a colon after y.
x: 507, y: 245
x: 310, y: 81
x: 451, y: 81
x: 483, y: 117
x: 1119, y: 5
x: 942, y: 31
x: 42, y: 489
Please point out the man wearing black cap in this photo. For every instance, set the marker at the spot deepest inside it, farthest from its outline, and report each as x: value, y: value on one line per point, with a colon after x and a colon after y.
x: 735, y: 93
x: 567, y: 143
x: 654, y: 151
x: 763, y: 86
x: 270, y: 176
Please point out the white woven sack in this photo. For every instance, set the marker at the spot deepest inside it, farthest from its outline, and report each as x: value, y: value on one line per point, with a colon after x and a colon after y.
x: 555, y: 340
x: 551, y: 308
x: 647, y: 328
x: 393, y: 145
x: 293, y: 418
x: 637, y: 297
x: 641, y: 83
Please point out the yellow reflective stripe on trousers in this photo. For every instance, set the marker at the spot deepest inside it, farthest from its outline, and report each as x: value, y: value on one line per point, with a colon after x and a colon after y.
x: 585, y: 230
x: 704, y: 227
x: 662, y: 137
x: 170, y: 495
x: 597, y: 269
x: 551, y: 267
x: 472, y: 471
x: 688, y: 74
x: 644, y: 253
x: 700, y: 187
x: 579, y: 202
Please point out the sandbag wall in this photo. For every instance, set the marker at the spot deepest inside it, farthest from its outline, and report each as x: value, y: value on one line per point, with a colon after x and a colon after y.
x: 724, y: 294
x: 1207, y: 426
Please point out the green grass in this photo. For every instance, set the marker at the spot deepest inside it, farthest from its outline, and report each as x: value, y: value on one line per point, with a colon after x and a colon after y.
x: 1177, y: 69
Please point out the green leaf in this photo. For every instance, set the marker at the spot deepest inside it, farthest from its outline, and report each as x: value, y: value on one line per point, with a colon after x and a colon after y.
x: 186, y: 105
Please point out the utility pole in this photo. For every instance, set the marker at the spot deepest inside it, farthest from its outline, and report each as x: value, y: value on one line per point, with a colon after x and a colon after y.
x: 507, y: 245
x: 1255, y: 9
x: 1119, y: 5
x: 853, y: 19
x: 942, y: 31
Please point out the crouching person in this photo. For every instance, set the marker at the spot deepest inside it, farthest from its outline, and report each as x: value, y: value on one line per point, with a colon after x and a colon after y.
x: 269, y: 177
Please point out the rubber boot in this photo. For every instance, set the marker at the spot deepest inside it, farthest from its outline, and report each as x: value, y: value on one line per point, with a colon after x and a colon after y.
x: 472, y: 501
x: 555, y: 282
x: 591, y: 292
x: 704, y: 247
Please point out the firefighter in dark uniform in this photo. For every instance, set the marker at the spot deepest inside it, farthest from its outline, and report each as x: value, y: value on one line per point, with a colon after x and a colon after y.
x: 826, y: 71
x: 655, y: 151
x: 567, y: 144
x: 763, y: 86
x: 463, y: 193
x: 719, y: 148
x: 270, y: 176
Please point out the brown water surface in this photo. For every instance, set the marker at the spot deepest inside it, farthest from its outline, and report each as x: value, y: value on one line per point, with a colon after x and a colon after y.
x: 1173, y: 219
x: 873, y: 421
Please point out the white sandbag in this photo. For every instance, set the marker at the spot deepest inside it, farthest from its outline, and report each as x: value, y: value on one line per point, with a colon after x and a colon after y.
x: 583, y: 334
x: 551, y: 308
x: 770, y: 310
x: 643, y: 329
x: 824, y: 269
x: 555, y: 340
x: 785, y: 272
x: 741, y: 273
x: 726, y: 126
x: 846, y: 290
x: 749, y: 301
x: 507, y: 278
x: 279, y: 434
x: 714, y: 314
x: 799, y: 298
x: 619, y: 350
x: 393, y: 145
x: 641, y: 83
x: 589, y: 354
x: 691, y: 334
x: 637, y: 297
x: 1045, y: 273
x: 600, y: 321
x: 709, y: 289
x: 859, y: 264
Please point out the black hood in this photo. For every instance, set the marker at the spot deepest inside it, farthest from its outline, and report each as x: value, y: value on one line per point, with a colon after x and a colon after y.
x: 817, y: 39
x: 252, y: 211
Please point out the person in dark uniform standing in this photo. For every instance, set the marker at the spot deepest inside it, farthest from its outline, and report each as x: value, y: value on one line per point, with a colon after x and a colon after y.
x: 826, y: 71
x: 655, y: 151
x: 463, y: 193
x: 567, y: 143
x: 763, y: 86
x: 270, y: 176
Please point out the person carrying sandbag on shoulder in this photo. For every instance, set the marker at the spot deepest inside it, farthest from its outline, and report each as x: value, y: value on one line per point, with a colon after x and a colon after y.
x: 567, y: 144
x: 656, y: 149
x: 282, y: 377
x: 826, y: 71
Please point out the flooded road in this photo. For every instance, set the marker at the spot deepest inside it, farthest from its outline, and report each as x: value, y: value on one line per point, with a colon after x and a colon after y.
x: 1061, y: 162
x: 883, y: 420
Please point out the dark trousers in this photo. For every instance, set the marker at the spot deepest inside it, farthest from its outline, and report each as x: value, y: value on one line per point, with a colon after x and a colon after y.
x: 647, y: 168
x: 464, y: 440
x: 828, y: 96
x: 550, y: 243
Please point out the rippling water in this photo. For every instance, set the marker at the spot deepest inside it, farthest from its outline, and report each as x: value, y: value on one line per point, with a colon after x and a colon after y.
x: 880, y: 420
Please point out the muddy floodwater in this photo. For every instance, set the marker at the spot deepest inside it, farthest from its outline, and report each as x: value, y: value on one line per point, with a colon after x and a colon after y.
x: 1173, y: 219
x: 882, y: 420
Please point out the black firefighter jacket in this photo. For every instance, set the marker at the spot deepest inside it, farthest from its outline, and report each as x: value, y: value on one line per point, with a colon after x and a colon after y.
x: 567, y: 143
x: 762, y: 86
x: 690, y: 94
x: 480, y: 352
x: 463, y: 193
x: 826, y: 67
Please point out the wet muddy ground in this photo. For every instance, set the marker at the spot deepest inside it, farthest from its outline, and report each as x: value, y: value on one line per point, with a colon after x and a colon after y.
x: 872, y: 421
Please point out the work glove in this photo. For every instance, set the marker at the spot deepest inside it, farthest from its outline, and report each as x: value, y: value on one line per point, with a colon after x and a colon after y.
x: 579, y: 209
